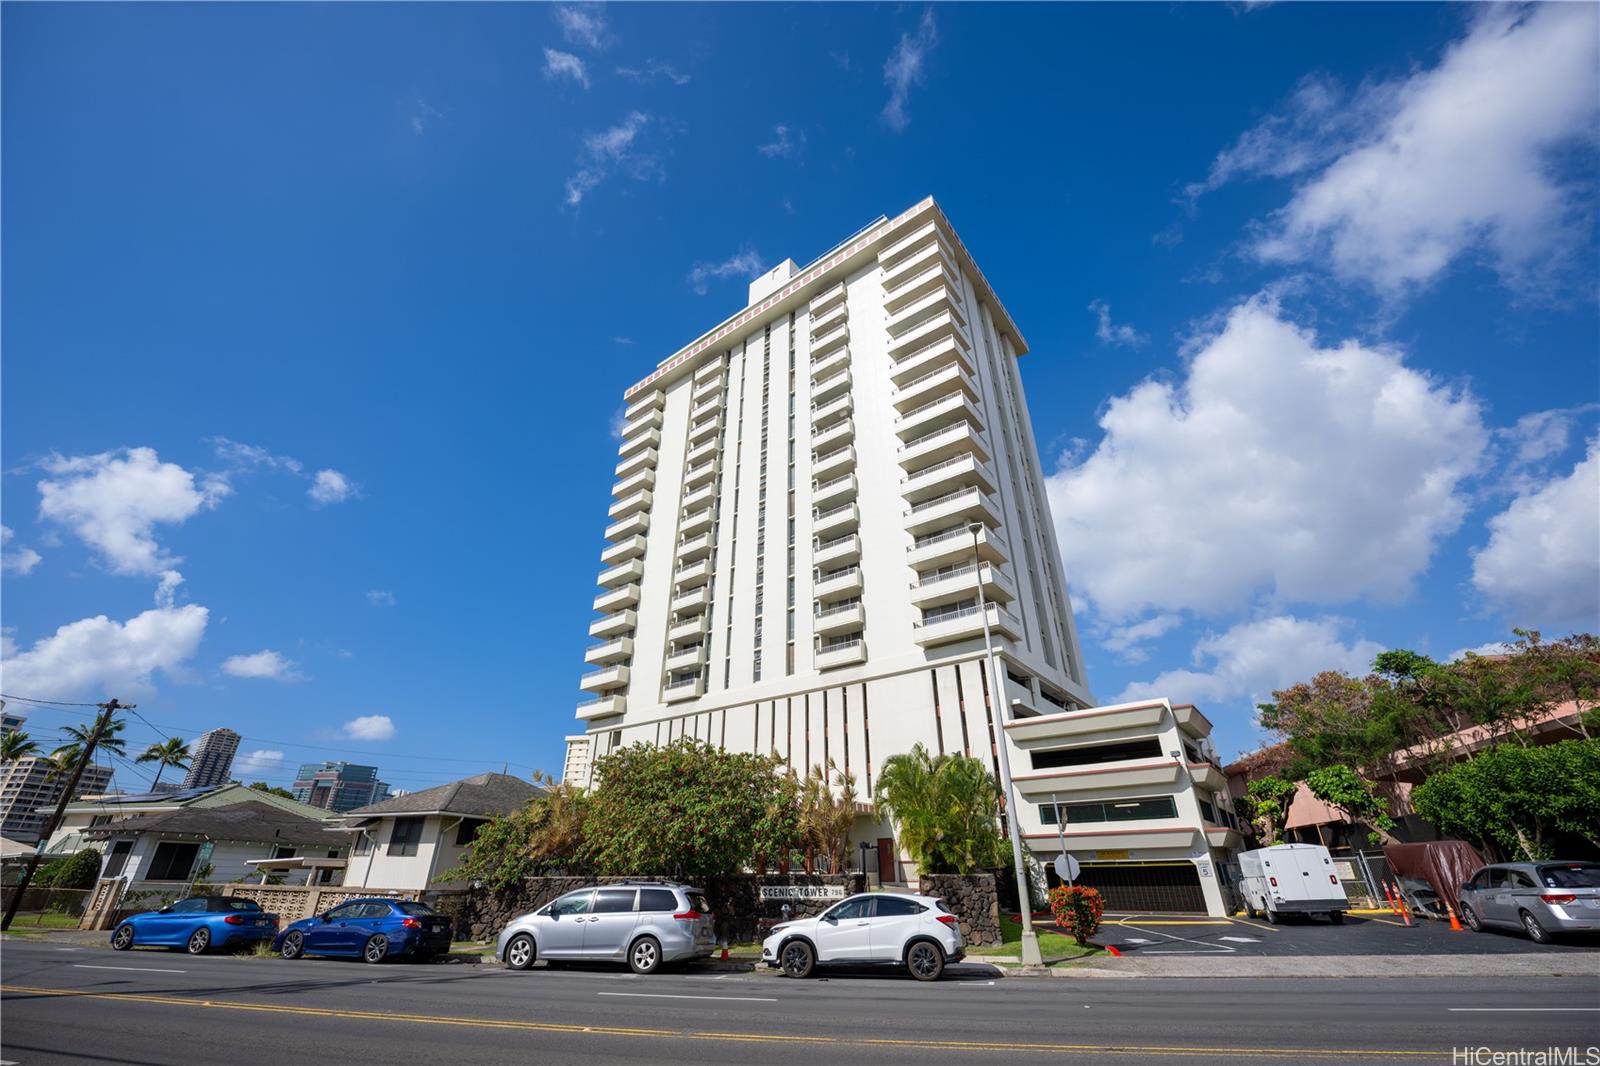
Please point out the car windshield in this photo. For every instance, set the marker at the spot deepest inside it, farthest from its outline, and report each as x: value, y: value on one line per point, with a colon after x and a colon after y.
x: 233, y: 903
x: 1571, y: 875
x: 419, y: 910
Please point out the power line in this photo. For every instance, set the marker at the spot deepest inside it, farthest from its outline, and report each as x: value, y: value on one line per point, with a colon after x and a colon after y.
x: 54, y: 703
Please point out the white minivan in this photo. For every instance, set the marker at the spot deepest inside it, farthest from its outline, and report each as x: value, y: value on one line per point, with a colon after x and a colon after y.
x: 1291, y: 879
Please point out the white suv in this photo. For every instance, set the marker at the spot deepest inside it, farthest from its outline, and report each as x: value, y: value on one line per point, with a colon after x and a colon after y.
x: 917, y: 932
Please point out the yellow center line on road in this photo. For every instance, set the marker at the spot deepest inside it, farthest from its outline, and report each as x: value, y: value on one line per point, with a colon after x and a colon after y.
x: 735, y: 1037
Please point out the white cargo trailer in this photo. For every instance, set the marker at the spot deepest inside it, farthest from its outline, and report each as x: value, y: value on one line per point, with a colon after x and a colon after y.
x: 1291, y: 879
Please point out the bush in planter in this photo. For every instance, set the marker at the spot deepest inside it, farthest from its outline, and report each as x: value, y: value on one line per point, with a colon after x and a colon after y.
x: 79, y: 870
x: 1077, y: 910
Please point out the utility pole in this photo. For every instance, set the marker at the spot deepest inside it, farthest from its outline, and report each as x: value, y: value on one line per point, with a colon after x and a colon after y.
x: 107, y: 709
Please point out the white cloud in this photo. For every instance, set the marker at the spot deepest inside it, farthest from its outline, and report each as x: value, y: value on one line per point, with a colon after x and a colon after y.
x: 237, y: 455
x: 167, y: 588
x: 1125, y: 640
x: 369, y: 727
x: 262, y: 666
x: 258, y: 763
x: 1541, y: 567
x: 612, y: 149
x: 622, y: 340
x: 1458, y: 159
x: 113, y: 502
x: 583, y: 24
x: 1252, y: 659
x: 1494, y: 647
x: 652, y: 72
x: 744, y: 264
x: 785, y: 142
x: 330, y: 486
x: 1276, y: 466
x: 906, y: 68
x: 564, y: 65
x: 381, y: 598
x: 423, y: 115
x: 1110, y: 333
x: 19, y: 560
x: 95, y: 655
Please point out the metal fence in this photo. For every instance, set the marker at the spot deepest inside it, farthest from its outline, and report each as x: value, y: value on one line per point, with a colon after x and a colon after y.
x: 58, y: 908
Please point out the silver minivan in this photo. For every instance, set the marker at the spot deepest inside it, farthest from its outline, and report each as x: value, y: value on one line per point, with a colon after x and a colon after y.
x: 1543, y: 899
x: 645, y: 923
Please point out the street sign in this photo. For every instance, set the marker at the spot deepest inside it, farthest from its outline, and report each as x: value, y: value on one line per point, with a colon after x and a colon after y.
x: 1066, y: 867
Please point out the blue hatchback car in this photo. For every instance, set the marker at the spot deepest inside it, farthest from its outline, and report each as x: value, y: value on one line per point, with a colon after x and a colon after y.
x: 372, y: 930
x: 198, y: 924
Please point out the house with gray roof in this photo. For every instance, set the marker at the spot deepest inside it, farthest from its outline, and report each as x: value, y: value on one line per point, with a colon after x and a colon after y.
x: 405, y: 842
x: 176, y: 846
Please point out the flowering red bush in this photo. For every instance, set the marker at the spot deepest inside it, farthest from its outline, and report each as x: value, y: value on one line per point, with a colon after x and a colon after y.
x: 1077, y: 910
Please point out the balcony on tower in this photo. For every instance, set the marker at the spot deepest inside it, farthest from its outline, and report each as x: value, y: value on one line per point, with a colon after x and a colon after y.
x: 622, y: 573
x: 693, y: 547
x: 838, y: 551
x: 699, y: 453
x: 829, y: 586
x: 613, y: 625
x: 945, y: 442
x: 710, y: 407
x: 699, y: 498
x: 842, y: 616
x: 691, y: 602
x: 948, y: 475
x: 822, y: 321
x: 604, y: 707
x: 910, y: 276
x: 937, y: 414
x: 963, y: 505
x: 827, y: 365
x: 904, y: 347
x: 829, y: 411
x: 710, y: 369
x: 696, y: 521
x: 963, y: 621
x: 650, y: 439
x: 845, y: 650
x: 650, y: 401
x: 631, y: 504
x: 639, y: 460
x: 833, y: 294
x: 707, y: 390
x: 617, y: 598
x: 689, y: 657
x: 612, y: 677
x: 834, y: 336
x: 700, y: 473
x: 918, y: 361
x: 634, y: 482
x: 959, y: 582
x: 611, y: 651
x: 683, y: 688
x: 839, y: 433
x: 623, y: 550
x: 834, y: 490
x: 954, y: 542
x: 832, y: 464
x: 941, y: 381
x: 649, y: 420
x: 830, y: 523
x: 632, y: 526
x: 694, y: 626
x: 692, y: 575
x: 705, y: 429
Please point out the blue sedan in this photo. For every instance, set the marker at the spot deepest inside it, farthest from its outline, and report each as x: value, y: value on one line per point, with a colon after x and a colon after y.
x: 372, y: 930
x: 198, y: 924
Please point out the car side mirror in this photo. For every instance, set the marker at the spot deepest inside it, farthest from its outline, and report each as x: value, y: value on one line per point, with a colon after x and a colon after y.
x: 1467, y: 886
x: 164, y: 910
x: 831, y: 920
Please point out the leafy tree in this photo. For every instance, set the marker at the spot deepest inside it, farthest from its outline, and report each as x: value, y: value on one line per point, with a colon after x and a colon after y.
x: 271, y: 790
x: 1518, y: 801
x: 826, y: 817
x: 79, y: 870
x: 685, y: 810
x: 17, y: 745
x: 61, y: 761
x: 173, y: 752
x: 1265, y: 805
x: 1562, y: 671
x: 544, y: 837
x: 945, y: 809
x: 1341, y: 787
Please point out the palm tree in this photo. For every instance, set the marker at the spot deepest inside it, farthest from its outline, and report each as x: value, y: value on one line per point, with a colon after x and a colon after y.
x: 61, y: 761
x: 109, y: 741
x: 826, y: 818
x: 172, y: 753
x: 16, y: 745
x: 945, y: 808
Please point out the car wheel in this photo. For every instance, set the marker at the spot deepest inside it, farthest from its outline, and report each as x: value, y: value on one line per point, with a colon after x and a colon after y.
x: 376, y: 949
x: 796, y: 959
x: 199, y: 942
x: 1536, y: 932
x: 294, y: 946
x: 1470, y: 916
x: 1336, y: 917
x: 122, y: 939
x: 1273, y: 918
x: 645, y: 955
x: 1250, y: 911
x: 925, y: 961
x: 520, y: 953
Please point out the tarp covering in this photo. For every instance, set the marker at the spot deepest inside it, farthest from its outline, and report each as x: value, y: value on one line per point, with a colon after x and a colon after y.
x: 1443, y: 864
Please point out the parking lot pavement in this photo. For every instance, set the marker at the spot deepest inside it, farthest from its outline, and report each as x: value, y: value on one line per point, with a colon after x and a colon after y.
x: 1166, y: 934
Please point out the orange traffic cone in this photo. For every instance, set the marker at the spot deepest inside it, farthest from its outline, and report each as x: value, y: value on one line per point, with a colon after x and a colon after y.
x: 1455, y: 923
x: 1405, y: 910
x: 724, y: 953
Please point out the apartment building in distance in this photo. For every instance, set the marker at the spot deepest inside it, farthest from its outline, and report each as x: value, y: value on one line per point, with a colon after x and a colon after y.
x: 817, y: 506
x: 10, y: 723
x: 338, y: 786
x: 211, y: 759
x: 28, y: 794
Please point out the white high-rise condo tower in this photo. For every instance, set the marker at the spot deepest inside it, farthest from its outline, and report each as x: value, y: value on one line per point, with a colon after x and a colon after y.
x: 791, y: 566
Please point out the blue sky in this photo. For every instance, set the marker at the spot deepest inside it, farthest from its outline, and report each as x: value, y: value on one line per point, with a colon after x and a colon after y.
x: 317, y: 319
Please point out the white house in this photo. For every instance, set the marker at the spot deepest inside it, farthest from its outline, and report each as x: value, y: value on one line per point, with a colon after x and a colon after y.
x: 214, y: 844
x: 408, y: 841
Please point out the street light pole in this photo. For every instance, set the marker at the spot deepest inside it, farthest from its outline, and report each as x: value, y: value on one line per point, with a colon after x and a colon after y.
x: 1031, y: 955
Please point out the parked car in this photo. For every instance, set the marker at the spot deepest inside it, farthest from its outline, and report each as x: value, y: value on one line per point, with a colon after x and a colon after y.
x: 198, y: 924
x: 1291, y: 879
x: 1543, y: 899
x: 645, y: 923
x: 917, y: 932
x: 373, y: 930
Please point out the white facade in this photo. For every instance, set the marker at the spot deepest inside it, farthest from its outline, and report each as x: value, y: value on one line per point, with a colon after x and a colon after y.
x: 576, y: 769
x: 377, y: 862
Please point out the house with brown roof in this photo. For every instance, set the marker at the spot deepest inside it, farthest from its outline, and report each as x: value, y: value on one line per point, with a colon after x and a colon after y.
x: 216, y: 844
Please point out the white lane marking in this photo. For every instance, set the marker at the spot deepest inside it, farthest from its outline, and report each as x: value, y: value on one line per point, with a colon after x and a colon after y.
x: 1526, y: 1010
x: 664, y: 995
x: 139, y: 969
x: 1139, y: 940
x: 1203, y: 947
x: 1240, y: 939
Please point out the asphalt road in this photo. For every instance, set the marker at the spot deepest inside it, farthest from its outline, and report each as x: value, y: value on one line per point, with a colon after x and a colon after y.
x: 1168, y: 934
x: 143, y: 1008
